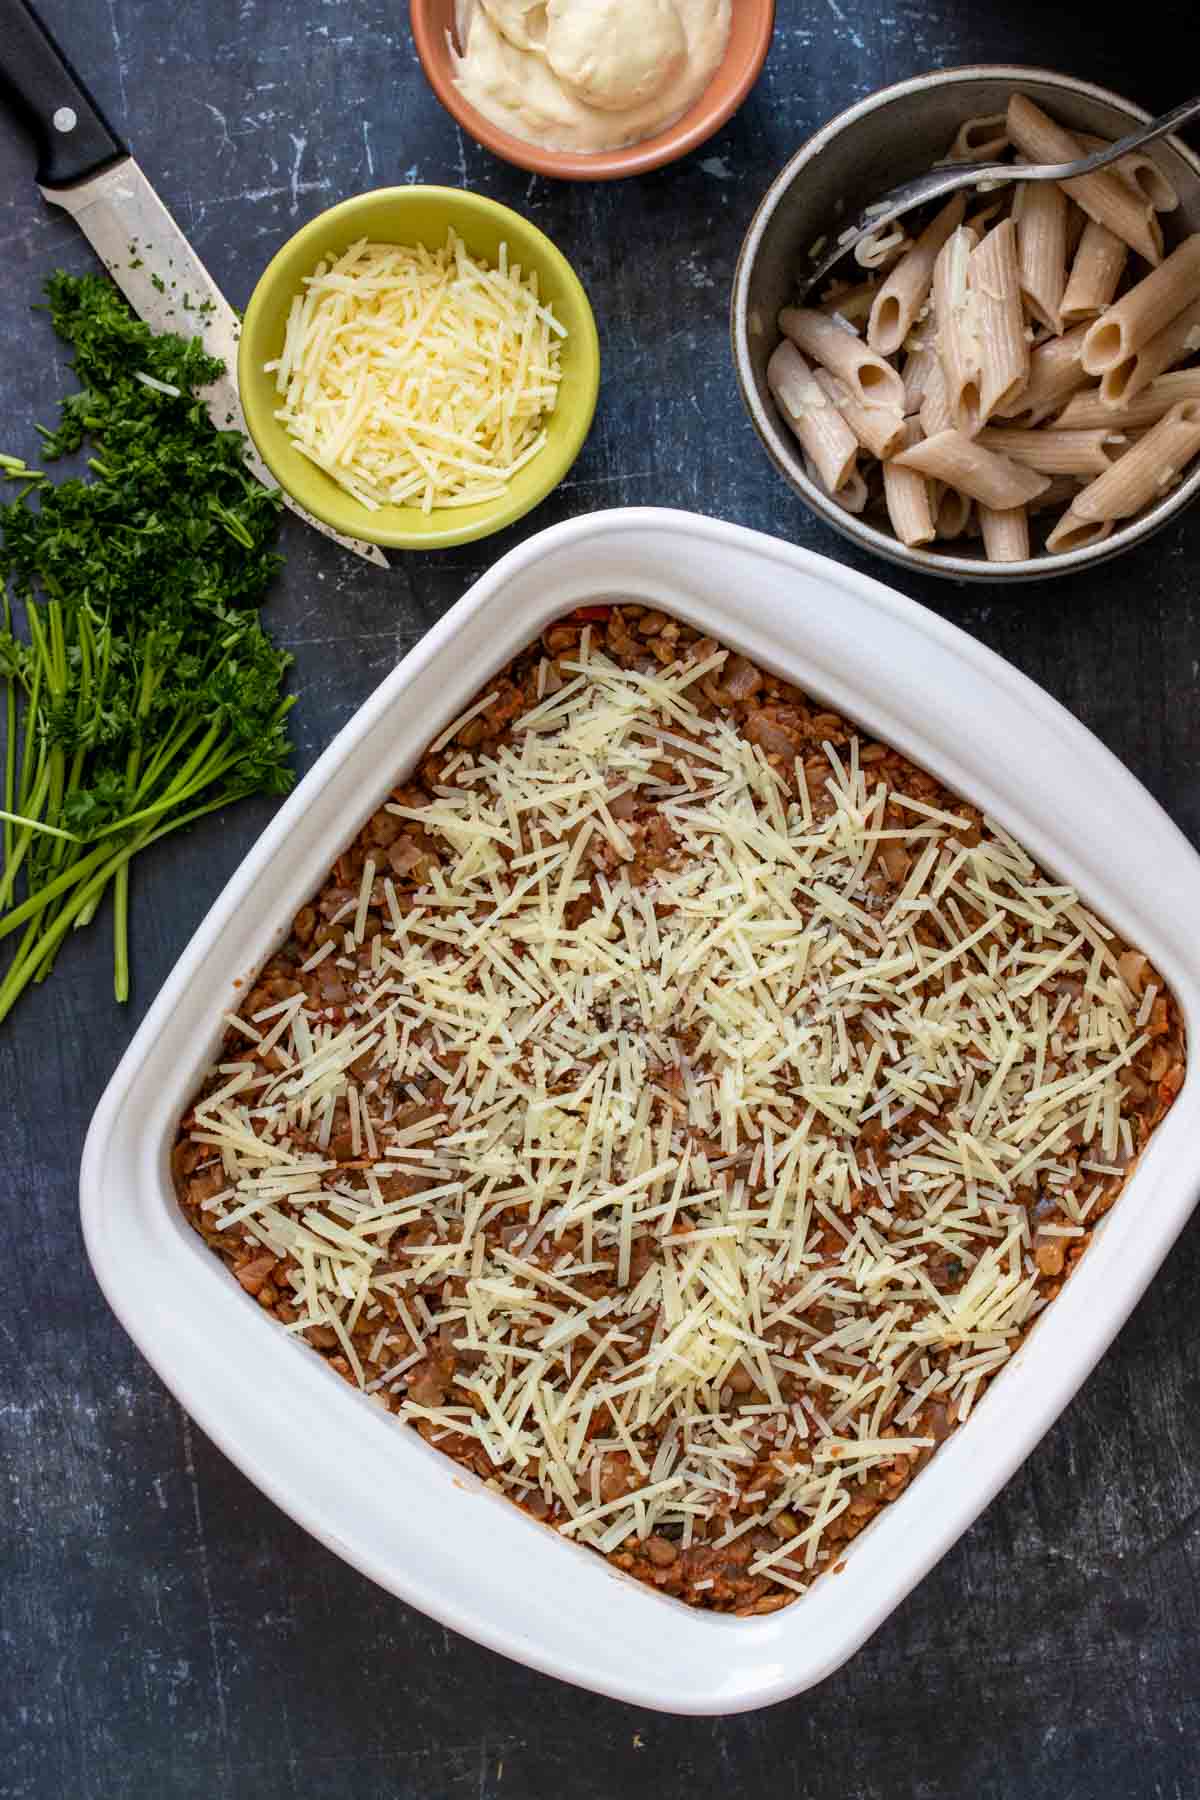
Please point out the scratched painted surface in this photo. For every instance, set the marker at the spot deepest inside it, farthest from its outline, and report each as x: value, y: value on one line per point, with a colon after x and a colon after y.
x: 164, y: 1631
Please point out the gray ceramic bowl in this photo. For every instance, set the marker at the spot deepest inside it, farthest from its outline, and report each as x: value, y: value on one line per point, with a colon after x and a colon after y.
x: 883, y: 140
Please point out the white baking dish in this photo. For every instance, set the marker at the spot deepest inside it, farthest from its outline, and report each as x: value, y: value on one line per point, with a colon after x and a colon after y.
x: 372, y: 1491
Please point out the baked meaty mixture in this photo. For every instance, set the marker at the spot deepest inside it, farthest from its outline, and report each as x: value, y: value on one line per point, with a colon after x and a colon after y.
x: 676, y: 1107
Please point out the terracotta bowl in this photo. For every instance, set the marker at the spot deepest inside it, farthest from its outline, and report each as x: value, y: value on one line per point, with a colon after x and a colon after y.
x: 749, y: 39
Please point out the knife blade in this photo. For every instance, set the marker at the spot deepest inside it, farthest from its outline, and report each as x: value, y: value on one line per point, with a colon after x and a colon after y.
x: 84, y: 168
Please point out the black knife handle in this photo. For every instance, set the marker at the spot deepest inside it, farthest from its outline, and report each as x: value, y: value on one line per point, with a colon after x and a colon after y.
x: 73, y: 138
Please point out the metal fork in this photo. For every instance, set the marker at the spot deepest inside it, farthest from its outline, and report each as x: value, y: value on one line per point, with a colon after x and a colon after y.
x: 938, y: 183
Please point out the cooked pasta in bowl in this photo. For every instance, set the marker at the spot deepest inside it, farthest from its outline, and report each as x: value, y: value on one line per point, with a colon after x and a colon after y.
x: 1005, y: 385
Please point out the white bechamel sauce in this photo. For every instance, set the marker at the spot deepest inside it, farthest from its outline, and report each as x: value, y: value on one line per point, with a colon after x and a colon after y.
x: 587, y: 75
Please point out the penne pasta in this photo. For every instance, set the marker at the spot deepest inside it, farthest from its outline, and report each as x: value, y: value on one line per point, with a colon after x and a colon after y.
x: 935, y: 408
x: 1088, y: 412
x: 1103, y: 195
x: 908, y: 498
x: 1055, y: 373
x: 852, y: 496
x: 1012, y: 364
x: 879, y: 429
x: 1005, y: 534
x: 918, y: 366
x: 1056, y: 452
x: 995, y: 291
x: 1060, y: 493
x: 1177, y: 340
x: 882, y: 248
x: 1140, y: 171
x: 872, y: 381
x: 952, y: 515
x: 823, y: 433
x: 1095, y: 273
x: 1074, y: 533
x: 962, y: 463
x: 957, y: 340
x: 986, y: 215
x: 1141, y: 314
x: 852, y: 303
x: 980, y: 140
x: 1147, y: 471
x: 1077, y: 222
x: 1040, y: 213
x: 900, y: 299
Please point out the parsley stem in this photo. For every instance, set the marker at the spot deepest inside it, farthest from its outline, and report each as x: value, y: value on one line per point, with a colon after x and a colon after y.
x: 11, y: 708
x: 54, y: 831
x: 62, y: 884
x: 30, y: 812
x: 121, y: 932
x: 35, y: 954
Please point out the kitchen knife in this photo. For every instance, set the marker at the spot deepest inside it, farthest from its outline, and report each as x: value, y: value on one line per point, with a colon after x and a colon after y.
x: 85, y: 168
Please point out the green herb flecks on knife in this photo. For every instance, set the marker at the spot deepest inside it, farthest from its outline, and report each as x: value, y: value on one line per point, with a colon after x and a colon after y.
x: 143, y: 691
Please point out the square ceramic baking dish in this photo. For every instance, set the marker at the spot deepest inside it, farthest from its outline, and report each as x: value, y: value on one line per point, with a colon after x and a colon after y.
x: 375, y: 1493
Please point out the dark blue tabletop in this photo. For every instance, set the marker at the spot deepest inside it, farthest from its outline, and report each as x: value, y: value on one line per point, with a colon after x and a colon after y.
x: 165, y: 1632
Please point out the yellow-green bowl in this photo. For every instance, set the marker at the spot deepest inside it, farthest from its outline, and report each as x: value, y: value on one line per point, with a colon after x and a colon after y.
x: 411, y: 215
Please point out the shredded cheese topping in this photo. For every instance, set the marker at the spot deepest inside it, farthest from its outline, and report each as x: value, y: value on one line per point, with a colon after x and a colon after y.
x: 788, y: 1113
x: 418, y: 377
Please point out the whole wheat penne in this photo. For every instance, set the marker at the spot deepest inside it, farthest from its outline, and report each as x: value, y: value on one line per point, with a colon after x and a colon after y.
x: 819, y: 426
x: 1148, y: 470
x: 1055, y: 373
x: 957, y: 339
x: 984, y: 139
x: 1040, y: 214
x: 882, y: 248
x: 1141, y: 171
x: 935, y: 407
x: 995, y: 288
x: 1060, y: 493
x: 1005, y: 534
x: 1103, y: 195
x: 961, y: 462
x: 1056, y: 452
x: 1088, y: 412
x: 853, y: 303
x: 952, y: 514
x: 1074, y: 533
x: 1177, y: 340
x: 872, y: 381
x: 985, y: 216
x: 918, y: 366
x: 851, y: 496
x: 906, y: 289
x: 879, y: 429
x: 1095, y: 273
x: 908, y: 497
x: 1077, y: 222
x: 1141, y: 314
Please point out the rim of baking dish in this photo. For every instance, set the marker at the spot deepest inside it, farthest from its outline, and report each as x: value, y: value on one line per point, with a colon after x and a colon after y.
x: 376, y: 1494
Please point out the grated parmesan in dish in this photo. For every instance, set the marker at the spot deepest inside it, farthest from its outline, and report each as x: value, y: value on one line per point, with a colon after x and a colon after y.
x: 417, y: 377
x: 694, y: 1131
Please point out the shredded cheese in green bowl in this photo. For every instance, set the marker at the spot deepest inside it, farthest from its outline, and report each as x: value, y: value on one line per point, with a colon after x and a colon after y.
x: 419, y: 367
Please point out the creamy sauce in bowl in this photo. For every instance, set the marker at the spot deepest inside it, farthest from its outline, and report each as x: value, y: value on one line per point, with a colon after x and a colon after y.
x: 587, y: 75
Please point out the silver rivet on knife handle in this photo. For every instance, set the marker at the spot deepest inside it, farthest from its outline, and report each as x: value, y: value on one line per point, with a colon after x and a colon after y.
x: 168, y: 286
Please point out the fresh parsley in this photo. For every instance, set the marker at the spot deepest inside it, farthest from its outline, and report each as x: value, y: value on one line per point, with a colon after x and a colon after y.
x: 143, y: 691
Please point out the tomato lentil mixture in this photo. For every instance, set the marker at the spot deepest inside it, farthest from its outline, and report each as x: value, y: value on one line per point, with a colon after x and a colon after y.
x: 676, y: 1106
